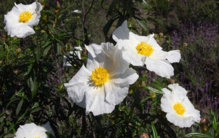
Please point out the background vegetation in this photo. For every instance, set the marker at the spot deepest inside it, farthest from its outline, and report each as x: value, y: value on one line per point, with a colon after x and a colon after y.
x: 32, y: 72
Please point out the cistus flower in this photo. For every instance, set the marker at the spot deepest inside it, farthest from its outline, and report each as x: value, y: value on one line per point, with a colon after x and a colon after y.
x: 140, y: 50
x: 20, y: 20
x: 178, y: 107
x: 33, y: 131
x: 104, y: 82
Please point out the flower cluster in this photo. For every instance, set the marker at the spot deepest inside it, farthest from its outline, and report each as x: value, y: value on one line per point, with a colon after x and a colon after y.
x: 105, y: 80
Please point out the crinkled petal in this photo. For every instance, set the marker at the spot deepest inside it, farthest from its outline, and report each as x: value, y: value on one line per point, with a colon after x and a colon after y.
x: 96, y: 103
x: 134, y: 59
x: 93, y: 50
x: 180, y: 121
x: 174, y: 56
x: 153, y: 42
x: 78, y: 85
x: 138, y: 37
x: 115, y: 94
x: 36, y: 15
x: 159, y: 55
x: 112, y: 55
x: 121, y: 33
x: 20, y: 31
x: 29, y: 7
x: 160, y: 67
x: 176, y: 89
x: 128, y: 77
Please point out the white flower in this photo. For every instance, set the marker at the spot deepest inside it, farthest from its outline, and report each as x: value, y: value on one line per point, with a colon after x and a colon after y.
x: 77, y: 52
x: 20, y: 20
x: 140, y: 50
x: 104, y: 82
x: 179, y: 109
x: 76, y: 11
x: 33, y: 131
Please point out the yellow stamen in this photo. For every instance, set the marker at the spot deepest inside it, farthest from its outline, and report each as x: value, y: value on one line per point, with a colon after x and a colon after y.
x: 144, y: 49
x: 25, y: 16
x: 99, y: 76
x: 179, y: 108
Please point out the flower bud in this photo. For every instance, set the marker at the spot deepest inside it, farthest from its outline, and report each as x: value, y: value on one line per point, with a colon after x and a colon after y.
x: 144, y: 135
x: 18, y: 50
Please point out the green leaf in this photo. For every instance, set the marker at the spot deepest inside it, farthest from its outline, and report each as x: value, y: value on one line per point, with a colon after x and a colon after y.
x: 146, y: 5
x: 29, y: 69
x: 19, y: 106
x: 142, y: 23
x: 33, y: 84
x: 45, y: 52
x: 214, y: 122
x: 154, y: 131
x: 201, y: 135
x: 59, y: 48
x: 154, y: 90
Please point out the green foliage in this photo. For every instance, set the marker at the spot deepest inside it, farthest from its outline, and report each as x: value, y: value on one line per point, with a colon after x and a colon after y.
x: 32, y: 72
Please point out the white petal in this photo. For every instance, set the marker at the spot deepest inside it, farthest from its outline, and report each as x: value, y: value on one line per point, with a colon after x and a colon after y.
x: 159, y: 55
x: 179, y: 121
x: 29, y: 7
x: 139, y: 38
x: 92, y: 64
x: 128, y: 77
x: 166, y: 105
x: 180, y: 91
x: 36, y: 13
x: 77, y: 11
x: 78, y: 48
x: 96, y: 103
x: 20, y: 31
x: 78, y: 85
x: 134, y: 59
x: 160, y: 67
x: 174, y: 56
x: 93, y: 49
x: 112, y: 60
x: 153, y: 42
x: 121, y: 33
x: 115, y: 94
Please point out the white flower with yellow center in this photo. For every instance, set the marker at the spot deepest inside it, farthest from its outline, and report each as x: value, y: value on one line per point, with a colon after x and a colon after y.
x: 140, y: 50
x: 33, y: 131
x: 104, y: 82
x: 179, y: 109
x: 20, y: 20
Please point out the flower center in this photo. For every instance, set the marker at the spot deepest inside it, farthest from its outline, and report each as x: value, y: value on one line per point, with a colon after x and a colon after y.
x: 179, y: 108
x: 36, y: 137
x: 144, y: 49
x: 99, y: 76
x: 25, y: 16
